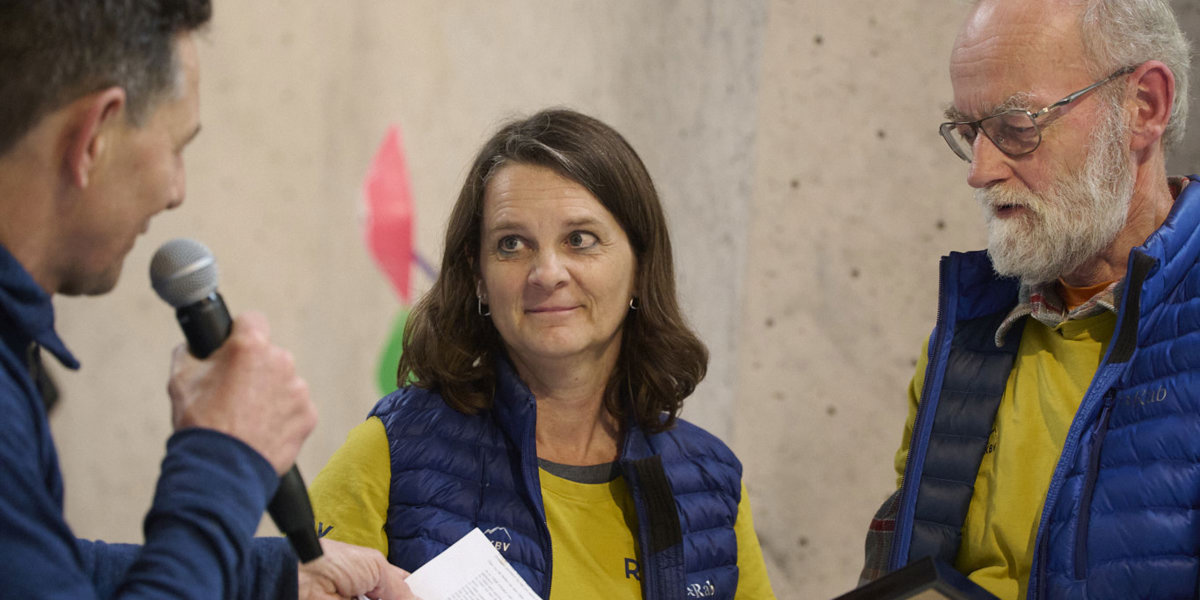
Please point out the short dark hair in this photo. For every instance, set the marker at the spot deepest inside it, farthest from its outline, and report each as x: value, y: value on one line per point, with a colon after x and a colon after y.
x: 450, y: 348
x: 55, y: 51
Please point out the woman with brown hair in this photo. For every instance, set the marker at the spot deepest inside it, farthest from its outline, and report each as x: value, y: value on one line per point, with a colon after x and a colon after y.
x: 542, y: 377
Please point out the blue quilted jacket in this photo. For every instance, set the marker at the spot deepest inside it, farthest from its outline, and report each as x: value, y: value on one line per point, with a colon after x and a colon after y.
x: 452, y: 472
x: 1122, y: 513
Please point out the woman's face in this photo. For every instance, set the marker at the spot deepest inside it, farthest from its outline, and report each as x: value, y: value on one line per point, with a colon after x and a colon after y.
x: 557, y: 270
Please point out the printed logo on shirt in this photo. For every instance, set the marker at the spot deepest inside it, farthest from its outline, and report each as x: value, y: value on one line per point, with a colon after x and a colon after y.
x: 631, y: 569
x: 499, y: 537
x: 322, y: 530
x: 702, y: 590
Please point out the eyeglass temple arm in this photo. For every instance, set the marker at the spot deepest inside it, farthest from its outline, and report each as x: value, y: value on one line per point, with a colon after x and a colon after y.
x: 1075, y: 96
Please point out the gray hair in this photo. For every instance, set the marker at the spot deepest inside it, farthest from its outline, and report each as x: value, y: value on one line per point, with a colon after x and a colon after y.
x: 1121, y: 33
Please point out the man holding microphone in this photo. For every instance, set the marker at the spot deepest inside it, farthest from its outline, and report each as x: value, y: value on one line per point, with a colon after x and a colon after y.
x: 100, y: 99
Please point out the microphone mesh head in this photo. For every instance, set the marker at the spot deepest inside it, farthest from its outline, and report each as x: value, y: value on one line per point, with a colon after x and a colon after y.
x: 183, y: 272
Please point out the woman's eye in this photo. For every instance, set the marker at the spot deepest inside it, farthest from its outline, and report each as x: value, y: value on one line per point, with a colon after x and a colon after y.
x: 510, y: 243
x: 581, y: 239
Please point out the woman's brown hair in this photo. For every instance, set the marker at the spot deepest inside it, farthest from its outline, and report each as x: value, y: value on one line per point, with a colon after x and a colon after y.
x: 450, y: 348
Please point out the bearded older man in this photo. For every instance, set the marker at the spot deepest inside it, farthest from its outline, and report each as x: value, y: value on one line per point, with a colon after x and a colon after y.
x: 1052, y: 448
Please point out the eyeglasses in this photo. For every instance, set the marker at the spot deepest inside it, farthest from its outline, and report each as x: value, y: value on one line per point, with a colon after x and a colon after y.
x: 1015, y: 131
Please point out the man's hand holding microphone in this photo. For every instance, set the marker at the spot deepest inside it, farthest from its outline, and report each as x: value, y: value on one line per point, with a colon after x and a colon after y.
x: 229, y: 377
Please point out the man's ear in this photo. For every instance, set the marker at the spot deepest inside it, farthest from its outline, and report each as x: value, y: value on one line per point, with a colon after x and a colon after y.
x: 89, y: 132
x: 1154, y: 93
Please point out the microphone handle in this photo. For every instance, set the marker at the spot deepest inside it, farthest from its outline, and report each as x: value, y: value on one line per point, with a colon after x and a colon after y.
x: 206, y: 324
x: 293, y: 515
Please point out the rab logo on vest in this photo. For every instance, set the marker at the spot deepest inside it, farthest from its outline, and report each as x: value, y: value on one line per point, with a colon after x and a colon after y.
x: 705, y: 590
x: 504, y: 541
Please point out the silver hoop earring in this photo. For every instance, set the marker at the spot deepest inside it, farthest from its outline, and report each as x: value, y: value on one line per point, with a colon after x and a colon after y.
x: 479, y: 307
x: 633, y: 303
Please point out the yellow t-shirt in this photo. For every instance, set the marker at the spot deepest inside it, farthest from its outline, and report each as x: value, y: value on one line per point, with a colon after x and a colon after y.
x: 592, y: 529
x: 592, y: 526
x: 1051, y: 373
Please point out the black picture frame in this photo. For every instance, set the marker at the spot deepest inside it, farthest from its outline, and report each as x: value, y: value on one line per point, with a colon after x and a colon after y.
x: 925, y: 579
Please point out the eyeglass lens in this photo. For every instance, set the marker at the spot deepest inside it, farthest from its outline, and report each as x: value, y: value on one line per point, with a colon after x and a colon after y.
x: 1013, y: 132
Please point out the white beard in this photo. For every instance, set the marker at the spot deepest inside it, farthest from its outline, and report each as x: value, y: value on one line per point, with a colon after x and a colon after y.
x: 1072, y: 222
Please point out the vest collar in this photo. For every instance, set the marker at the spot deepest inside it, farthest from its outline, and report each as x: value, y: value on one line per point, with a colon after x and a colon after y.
x: 515, y: 409
x: 1173, y: 245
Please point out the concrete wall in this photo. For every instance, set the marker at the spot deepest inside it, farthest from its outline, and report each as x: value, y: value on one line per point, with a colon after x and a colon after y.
x: 856, y: 196
x: 795, y: 147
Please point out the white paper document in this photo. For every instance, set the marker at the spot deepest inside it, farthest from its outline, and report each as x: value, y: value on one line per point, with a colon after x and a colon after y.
x: 470, y: 569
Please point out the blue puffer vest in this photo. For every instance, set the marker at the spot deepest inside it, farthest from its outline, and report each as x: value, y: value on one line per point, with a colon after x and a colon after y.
x: 1122, y: 513
x: 452, y: 472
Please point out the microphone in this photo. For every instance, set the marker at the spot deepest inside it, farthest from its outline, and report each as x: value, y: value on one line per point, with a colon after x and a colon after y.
x: 184, y: 274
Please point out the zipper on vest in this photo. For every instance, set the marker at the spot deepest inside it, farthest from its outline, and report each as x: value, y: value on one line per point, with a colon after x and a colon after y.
x: 1089, y: 485
x: 902, y: 531
x: 1119, y: 351
x: 533, y: 487
x: 545, y: 531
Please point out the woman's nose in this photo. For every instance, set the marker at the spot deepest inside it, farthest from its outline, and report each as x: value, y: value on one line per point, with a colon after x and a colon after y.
x: 549, y: 270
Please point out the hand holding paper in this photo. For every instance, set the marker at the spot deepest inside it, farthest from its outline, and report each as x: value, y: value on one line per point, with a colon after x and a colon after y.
x: 470, y: 569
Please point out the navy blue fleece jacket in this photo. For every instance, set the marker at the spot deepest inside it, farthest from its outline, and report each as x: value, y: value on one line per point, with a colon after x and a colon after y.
x: 210, y: 496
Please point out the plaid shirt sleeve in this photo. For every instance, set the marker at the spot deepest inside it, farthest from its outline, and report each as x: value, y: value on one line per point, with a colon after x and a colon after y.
x: 879, y: 540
